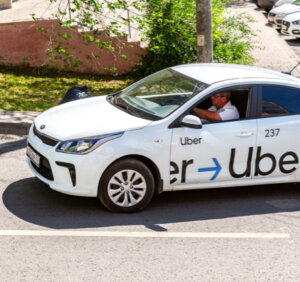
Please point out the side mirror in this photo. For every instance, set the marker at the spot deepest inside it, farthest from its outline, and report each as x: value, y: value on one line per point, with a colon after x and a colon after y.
x: 191, y: 122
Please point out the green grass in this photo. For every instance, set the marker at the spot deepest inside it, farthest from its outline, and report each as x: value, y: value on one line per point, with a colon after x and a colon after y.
x: 25, y: 89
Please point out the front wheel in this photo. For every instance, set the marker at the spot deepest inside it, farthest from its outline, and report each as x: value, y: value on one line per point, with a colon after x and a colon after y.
x: 126, y: 186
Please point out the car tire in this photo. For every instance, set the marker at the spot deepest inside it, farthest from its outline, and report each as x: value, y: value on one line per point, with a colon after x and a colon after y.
x: 126, y: 186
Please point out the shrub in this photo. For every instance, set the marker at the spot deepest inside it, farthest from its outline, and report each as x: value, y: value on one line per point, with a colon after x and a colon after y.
x: 169, y: 27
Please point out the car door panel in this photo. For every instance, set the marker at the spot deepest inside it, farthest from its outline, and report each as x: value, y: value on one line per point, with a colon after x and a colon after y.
x: 278, y: 133
x: 217, y: 152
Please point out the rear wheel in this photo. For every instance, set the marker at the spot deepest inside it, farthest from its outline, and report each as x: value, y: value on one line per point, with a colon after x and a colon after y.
x: 126, y: 186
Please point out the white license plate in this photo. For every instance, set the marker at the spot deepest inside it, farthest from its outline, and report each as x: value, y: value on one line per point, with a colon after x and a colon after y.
x: 284, y: 27
x: 33, y: 156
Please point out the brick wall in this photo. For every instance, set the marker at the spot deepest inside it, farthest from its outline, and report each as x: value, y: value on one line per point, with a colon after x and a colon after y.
x: 23, y: 43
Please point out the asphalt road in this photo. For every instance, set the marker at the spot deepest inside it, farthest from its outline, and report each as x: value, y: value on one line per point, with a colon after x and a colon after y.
x: 236, y: 234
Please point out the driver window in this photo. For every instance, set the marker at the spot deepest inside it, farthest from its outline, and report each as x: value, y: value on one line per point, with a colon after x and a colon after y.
x: 224, y: 106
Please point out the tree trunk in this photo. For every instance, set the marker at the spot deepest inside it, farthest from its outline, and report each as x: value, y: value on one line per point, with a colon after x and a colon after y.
x: 204, y: 31
x: 5, y: 4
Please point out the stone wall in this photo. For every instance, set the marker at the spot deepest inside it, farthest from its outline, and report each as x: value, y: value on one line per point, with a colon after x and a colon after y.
x: 24, y: 43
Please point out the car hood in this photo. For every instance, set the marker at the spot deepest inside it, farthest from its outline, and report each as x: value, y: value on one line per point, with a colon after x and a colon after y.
x: 285, y: 8
x: 86, y: 118
x: 282, y: 2
x: 293, y: 17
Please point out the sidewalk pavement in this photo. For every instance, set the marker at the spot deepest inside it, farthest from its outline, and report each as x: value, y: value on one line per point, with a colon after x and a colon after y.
x: 271, y: 51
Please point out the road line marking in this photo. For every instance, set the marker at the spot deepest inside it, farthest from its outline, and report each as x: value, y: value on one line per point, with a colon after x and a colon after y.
x: 133, y: 234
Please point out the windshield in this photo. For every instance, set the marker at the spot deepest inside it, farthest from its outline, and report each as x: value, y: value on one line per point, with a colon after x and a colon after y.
x: 158, y: 95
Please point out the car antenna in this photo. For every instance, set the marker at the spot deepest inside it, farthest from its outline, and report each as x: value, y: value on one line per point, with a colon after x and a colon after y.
x: 290, y: 72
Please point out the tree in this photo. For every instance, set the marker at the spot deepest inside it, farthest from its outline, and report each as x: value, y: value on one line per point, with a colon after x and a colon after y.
x: 204, y: 31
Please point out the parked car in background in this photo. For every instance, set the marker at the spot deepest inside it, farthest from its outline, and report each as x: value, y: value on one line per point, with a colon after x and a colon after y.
x: 266, y: 4
x: 282, y: 2
x: 279, y: 17
x: 291, y: 25
x: 282, y: 11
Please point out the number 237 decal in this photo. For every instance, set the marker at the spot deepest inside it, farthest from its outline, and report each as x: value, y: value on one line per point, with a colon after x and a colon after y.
x: 272, y: 132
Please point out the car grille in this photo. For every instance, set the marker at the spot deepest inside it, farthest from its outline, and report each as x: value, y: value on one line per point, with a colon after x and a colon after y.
x: 278, y: 21
x: 44, y: 169
x: 45, y: 139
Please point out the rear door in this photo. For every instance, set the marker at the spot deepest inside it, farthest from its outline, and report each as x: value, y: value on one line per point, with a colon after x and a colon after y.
x: 278, y: 136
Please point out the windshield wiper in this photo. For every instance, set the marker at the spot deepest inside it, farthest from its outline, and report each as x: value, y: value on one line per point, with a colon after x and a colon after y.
x: 128, y: 110
x: 111, y: 97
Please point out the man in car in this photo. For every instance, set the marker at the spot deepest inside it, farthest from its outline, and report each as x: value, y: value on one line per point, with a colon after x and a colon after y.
x: 222, y: 109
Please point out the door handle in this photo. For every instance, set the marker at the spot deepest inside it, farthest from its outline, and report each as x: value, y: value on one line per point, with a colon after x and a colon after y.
x: 245, y: 134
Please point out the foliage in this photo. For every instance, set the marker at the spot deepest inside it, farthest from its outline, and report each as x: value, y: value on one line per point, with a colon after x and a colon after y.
x: 169, y: 28
x: 25, y: 89
x: 232, y: 36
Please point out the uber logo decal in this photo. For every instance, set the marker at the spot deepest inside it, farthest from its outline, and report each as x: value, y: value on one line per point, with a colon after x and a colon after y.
x: 188, y: 141
x: 287, y: 158
x: 282, y: 163
x: 175, y: 170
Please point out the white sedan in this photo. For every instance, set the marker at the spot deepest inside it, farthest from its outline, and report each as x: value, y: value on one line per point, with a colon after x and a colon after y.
x: 146, y: 139
x: 276, y: 15
x: 291, y: 25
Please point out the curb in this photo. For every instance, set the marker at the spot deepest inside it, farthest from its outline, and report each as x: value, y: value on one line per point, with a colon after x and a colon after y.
x: 16, y: 123
x: 21, y: 128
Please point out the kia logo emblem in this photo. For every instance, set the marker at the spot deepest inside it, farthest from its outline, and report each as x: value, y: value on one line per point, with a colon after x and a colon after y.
x: 42, y: 126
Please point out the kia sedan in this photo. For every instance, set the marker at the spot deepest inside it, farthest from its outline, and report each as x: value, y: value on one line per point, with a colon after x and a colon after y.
x: 146, y: 139
x: 276, y: 15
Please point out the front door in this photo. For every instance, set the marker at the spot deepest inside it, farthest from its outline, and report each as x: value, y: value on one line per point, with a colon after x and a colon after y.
x: 215, y: 154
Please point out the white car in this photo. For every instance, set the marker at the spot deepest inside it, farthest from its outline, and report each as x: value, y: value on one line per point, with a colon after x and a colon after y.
x: 146, y: 139
x: 276, y: 15
x: 282, y: 2
x: 291, y: 25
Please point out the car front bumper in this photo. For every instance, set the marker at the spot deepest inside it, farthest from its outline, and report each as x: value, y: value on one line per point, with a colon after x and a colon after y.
x: 72, y: 174
x: 287, y: 28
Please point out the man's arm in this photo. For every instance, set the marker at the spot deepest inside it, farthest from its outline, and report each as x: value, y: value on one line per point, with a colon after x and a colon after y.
x: 208, y: 115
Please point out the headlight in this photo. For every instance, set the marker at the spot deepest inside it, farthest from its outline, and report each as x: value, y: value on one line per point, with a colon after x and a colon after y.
x: 85, y: 145
x: 296, y: 22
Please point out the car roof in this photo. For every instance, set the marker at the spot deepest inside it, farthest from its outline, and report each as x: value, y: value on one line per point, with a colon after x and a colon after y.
x: 214, y: 72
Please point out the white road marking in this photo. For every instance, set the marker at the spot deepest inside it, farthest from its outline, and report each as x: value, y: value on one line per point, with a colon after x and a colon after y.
x: 133, y: 234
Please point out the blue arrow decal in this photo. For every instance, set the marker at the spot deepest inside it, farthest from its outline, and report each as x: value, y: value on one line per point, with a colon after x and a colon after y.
x: 217, y: 169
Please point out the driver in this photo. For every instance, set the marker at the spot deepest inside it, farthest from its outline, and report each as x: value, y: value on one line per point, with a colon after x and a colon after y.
x: 222, y: 109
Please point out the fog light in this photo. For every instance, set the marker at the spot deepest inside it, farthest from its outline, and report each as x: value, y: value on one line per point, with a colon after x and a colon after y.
x: 295, y: 31
x: 72, y: 171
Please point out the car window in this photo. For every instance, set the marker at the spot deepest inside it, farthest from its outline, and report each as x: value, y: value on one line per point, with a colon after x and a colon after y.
x: 280, y: 101
x: 239, y: 98
x: 159, y: 94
